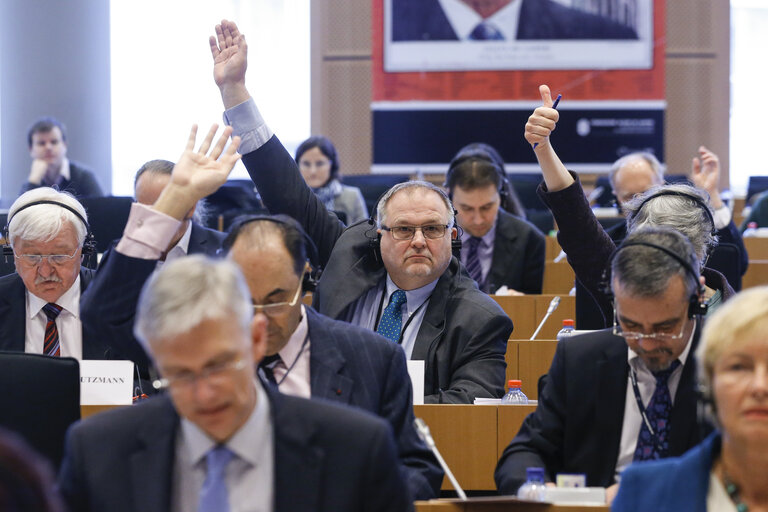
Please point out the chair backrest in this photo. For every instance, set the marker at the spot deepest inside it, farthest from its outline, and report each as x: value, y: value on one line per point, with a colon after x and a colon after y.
x: 107, y: 217
x: 41, y: 399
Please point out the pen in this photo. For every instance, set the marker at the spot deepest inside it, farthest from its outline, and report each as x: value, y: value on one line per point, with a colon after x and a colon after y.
x: 554, y: 105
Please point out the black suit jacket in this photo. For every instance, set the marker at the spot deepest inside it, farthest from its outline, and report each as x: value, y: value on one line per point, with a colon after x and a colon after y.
x: 424, y: 20
x: 81, y: 183
x: 203, y: 240
x: 326, y: 458
x: 13, y: 313
x: 576, y: 427
x: 354, y: 366
x: 518, y: 256
x: 463, y: 336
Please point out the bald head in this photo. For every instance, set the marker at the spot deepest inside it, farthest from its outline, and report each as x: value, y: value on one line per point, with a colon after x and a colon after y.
x: 634, y: 174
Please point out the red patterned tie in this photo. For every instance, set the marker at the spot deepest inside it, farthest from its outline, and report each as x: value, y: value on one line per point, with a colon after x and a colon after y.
x: 51, y: 346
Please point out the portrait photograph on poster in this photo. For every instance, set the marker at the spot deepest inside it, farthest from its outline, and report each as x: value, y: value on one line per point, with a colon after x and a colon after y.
x: 466, y: 35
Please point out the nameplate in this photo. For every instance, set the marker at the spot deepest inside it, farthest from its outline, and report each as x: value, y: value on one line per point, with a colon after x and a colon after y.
x: 106, y: 382
x: 416, y: 372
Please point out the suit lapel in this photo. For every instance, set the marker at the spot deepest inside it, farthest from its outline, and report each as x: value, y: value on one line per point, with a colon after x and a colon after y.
x: 503, y: 247
x: 683, y: 419
x: 152, y: 463
x: 298, y: 463
x: 360, y: 278
x: 13, y: 315
x: 611, y: 400
x: 326, y: 363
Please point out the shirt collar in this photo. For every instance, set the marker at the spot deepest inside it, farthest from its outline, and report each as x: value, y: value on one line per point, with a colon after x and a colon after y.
x: 635, y: 362
x: 182, y: 246
x: 69, y: 301
x: 291, y: 351
x: 247, y: 443
x: 464, y: 19
x: 415, y: 298
x: 64, y: 171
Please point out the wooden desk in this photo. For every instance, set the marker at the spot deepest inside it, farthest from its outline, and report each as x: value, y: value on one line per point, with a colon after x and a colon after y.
x: 526, y: 311
x: 551, y: 248
x: 558, y: 277
x: 757, y: 248
x: 468, y: 438
x: 533, y: 361
x: 756, y: 275
x: 501, y: 504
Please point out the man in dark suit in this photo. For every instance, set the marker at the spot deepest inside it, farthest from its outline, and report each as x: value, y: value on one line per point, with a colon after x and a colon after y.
x: 40, y: 302
x: 313, y: 356
x: 604, y: 389
x: 218, y: 441
x: 47, y: 140
x: 396, y: 277
x: 498, y: 249
x: 425, y: 20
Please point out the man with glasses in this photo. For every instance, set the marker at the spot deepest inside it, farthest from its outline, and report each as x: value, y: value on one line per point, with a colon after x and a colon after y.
x: 313, y: 356
x: 627, y: 393
x: 40, y: 303
x: 395, y: 276
x: 218, y: 441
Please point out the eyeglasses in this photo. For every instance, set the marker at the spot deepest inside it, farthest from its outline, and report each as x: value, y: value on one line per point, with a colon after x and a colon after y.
x: 431, y: 232
x: 279, y: 308
x: 660, y: 335
x: 215, y: 375
x: 33, y: 260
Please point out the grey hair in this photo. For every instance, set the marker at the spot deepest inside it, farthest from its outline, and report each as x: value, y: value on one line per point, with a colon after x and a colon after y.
x: 188, y: 291
x: 165, y: 168
x: 680, y: 213
x: 645, y: 271
x: 381, y: 208
x: 649, y: 158
x: 43, y: 222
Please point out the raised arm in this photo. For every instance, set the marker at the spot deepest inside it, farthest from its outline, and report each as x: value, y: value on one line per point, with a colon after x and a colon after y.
x: 537, y: 131
x: 271, y: 168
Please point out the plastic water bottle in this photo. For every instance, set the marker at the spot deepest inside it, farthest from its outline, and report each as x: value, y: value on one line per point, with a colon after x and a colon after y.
x: 534, y: 489
x: 567, y: 329
x: 515, y: 396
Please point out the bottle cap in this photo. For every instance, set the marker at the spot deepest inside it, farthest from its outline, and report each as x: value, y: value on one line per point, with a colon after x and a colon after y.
x: 568, y: 322
x: 515, y: 383
x: 535, y: 473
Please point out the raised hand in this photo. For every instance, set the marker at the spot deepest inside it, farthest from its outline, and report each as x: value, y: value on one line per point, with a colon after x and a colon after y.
x: 542, y: 122
x: 198, y: 173
x: 705, y: 174
x: 230, y: 60
x: 37, y: 171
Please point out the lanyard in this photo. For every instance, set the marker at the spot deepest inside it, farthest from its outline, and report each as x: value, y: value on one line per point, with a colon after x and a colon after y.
x: 296, y: 359
x: 638, y: 398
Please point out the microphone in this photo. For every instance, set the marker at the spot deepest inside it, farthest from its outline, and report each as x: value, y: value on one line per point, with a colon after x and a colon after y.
x: 423, y: 430
x: 552, y: 307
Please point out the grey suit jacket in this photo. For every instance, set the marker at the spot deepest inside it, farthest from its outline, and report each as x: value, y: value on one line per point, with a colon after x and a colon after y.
x: 463, y: 336
x: 327, y: 458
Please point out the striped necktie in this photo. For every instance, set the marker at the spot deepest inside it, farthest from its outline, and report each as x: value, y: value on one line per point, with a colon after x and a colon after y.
x: 473, y: 261
x: 51, y: 345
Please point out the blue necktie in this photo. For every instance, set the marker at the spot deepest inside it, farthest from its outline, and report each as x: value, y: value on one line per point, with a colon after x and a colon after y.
x: 658, y: 411
x: 485, y: 31
x: 392, y: 318
x: 213, y: 495
x: 473, y: 261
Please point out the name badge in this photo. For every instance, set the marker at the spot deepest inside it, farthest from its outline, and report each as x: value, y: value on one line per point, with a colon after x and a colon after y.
x: 106, y: 382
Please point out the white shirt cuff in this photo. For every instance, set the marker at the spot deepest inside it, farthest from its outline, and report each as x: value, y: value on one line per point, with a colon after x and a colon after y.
x: 722, y: 217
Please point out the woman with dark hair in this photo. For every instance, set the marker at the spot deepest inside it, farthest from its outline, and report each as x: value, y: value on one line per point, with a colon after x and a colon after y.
x: 319, y: 165
x: 26, y: 480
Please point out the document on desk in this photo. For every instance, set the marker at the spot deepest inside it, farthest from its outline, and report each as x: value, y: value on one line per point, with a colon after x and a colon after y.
x: 416, y: 372
x: 106, y: 382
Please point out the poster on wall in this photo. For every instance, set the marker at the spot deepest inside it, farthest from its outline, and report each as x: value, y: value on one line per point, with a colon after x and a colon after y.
x: 453, y: 35
x: 449, y: 72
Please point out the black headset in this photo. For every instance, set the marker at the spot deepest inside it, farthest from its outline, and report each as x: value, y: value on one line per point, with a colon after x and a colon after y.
x: 309, y: 283
x: 699, y: 202
x: 695, y: 305
x: 89, y: 244
x: 374, y: 238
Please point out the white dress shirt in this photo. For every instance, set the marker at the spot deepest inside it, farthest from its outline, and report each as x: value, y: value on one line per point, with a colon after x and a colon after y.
x: 464, y: 19
x: 292, y: 374
x: 68, y: 323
